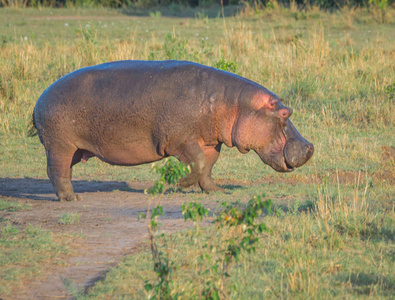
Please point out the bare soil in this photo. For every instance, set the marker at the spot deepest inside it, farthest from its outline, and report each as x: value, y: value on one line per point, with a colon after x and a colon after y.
x: 108, y: 224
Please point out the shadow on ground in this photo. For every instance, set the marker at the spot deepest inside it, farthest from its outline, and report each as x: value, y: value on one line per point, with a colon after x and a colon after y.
x: 232, y: 187
x: 41, y: 189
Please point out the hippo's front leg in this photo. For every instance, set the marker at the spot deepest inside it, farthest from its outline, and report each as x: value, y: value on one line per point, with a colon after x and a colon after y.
x: 206, y: 182
x: 201, y: 163
x: 191, y: 154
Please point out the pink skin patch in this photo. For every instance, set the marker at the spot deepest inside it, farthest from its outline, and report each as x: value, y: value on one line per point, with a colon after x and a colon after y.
x: 86, y: 155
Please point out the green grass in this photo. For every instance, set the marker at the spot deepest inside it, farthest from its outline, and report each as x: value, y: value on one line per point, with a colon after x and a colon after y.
x: 69, y: 219
x: 305, y: 255
x: 334, y: 69
x: 338, y: 91
x: 23, y: 251
x: 6, y: 205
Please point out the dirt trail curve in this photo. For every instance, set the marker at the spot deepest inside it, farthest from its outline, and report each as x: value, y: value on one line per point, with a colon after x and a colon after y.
x: 108, y: 223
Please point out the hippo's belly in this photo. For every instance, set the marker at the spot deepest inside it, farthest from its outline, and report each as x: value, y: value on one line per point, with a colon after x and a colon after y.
x: 124, y: 154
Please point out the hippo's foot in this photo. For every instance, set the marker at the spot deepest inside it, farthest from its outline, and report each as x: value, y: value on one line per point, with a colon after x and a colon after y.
x: 208, y: 185
x: 70, y: 197
x: 186, y: 182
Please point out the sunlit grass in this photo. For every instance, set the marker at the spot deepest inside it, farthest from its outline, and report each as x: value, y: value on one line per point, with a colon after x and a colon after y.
x: 23, y: 251
x: 338, y: 92
x: 333, y: 227
x: 334, y: 246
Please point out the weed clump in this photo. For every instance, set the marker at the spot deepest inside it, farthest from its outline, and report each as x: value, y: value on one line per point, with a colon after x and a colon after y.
x: 69, y: 219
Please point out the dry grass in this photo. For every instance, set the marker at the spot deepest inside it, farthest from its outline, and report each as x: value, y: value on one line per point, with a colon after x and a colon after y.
x: 334, y: 73
x: 302, y: 69
x: 332, y: 87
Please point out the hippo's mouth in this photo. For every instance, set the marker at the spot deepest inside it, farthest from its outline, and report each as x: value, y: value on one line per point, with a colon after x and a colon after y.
x: 289, y: 168
x: 296, y: 153
x: 287, y: 153
x: 277, y: 160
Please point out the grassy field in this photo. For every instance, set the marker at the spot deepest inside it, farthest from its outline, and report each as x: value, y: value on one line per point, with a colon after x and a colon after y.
x: 333, y: 231
x: 24, y: 250
x: 305, y: 256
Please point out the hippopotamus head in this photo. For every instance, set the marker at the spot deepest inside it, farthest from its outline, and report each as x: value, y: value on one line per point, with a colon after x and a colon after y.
x: 263, y: 125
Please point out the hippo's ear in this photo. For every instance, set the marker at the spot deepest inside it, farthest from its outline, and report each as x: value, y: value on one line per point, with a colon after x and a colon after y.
x: 264, y: 101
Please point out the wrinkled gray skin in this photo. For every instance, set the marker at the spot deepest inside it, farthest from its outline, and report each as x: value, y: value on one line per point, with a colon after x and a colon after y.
x: 135, y: 112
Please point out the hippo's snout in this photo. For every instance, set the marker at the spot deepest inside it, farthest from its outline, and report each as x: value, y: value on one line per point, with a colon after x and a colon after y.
x: 297, y: 153
x: 297, y: 150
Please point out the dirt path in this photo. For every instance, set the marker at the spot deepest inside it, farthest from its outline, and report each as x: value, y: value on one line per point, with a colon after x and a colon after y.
x: 108, y: 223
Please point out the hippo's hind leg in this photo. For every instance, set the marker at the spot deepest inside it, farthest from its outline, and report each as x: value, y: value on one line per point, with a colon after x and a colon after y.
x: 59, y: 165
x: 206, y: 182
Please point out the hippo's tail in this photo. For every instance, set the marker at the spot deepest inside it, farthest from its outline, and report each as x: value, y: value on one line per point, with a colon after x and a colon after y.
x: 32, y: 129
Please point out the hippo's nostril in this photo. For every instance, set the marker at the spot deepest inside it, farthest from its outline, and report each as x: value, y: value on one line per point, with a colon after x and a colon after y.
x: 310, y: 150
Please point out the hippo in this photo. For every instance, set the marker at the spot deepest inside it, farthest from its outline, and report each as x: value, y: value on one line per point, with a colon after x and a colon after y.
x: 135, y: 112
